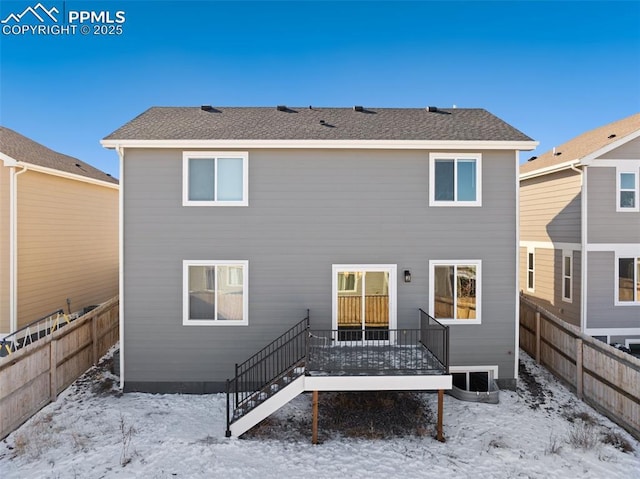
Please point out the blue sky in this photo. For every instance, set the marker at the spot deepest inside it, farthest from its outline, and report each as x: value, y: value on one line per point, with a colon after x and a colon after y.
x: 552, y: 69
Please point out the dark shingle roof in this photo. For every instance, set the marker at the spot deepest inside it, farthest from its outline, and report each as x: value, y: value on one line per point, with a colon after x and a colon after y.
x: 23, y: 149
x: 262, y: 123
x: 585, y: 144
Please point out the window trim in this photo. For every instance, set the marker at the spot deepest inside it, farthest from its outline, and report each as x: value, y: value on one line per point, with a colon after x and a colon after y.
x: 616, y: 289
x: 454, y: 156
x: 565, y: 276
x: 455, y: 262
x: 215, y: 155
x: 531, y: 287
x: 186, y: 264
x: 636, y: 189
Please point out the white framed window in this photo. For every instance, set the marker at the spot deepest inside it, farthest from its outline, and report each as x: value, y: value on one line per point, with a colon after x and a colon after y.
x: 215, y: 293
x: 567, y: 276
x: 455, y: 179
x: 474, y: 378
x: 455, y: 291
x: 215, y: 178
x: 627, y: 281
x: 531, y: 272
x: 627, y: 190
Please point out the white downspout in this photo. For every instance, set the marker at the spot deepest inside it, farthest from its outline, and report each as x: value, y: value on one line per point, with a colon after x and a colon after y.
x: 13, y: 247
x: 516, y: 350
x: 583, y: 246
x: 120, y: 152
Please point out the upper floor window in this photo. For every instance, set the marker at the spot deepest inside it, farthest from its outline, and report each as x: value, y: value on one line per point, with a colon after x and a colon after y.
x: 455, y: 179
x: 628, y: 279
x: 215, y: 178
x: 215, y: 293
x: 627, y: 191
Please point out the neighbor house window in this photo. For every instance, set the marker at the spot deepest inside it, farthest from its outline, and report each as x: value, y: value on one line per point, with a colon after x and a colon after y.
x: 627, y: 191
x: 531, y: 261
x: 213, y: 178
x: 628, y: 279
x: 455, y: 291
x: 215, y: 293
x: 567, y: 275
x: 455, y: 179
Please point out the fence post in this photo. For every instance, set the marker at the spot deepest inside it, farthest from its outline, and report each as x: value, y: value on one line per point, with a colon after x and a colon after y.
x: 53, y: 369
x: 538, y: 333
x: 94, y: 338
x: 579, y: 359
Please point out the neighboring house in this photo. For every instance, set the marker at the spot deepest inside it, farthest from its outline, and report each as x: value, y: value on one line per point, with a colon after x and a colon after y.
x: 236, y: 220
x: 58, y: 233
x: 580, y: 231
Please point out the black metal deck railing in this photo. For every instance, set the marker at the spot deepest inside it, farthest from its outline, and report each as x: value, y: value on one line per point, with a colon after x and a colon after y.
x: 435, y: 337
x: 258, y: 377
x: 336, y: 352
x: 401, y: 352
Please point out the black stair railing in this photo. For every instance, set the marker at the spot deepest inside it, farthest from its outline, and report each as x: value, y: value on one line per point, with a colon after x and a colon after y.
x: 435, y: 337
x: 257, y: 378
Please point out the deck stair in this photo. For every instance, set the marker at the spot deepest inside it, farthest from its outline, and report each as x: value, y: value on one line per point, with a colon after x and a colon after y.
x: 303, y: 360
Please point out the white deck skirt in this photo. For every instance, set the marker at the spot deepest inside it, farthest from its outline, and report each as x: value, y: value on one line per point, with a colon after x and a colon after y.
x: 377, y: 383
x: 337, y: 383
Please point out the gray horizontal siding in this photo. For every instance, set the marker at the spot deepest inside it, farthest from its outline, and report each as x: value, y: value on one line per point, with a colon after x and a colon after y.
x: 307, y: 210
x: 602, y: 312
x: 628, y: 151
x: 604, y: 224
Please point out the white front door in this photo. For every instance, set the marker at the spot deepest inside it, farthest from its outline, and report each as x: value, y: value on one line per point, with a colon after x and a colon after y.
x: 364, y: 301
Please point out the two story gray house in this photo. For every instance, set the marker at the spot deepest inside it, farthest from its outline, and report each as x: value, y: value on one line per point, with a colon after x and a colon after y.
x: 368, y: 228
x: 580, y: 231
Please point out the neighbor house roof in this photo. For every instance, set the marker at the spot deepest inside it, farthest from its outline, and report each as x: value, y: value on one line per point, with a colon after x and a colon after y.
x: 22, y: 149
x: 585, y: 144
x: 316, y: 123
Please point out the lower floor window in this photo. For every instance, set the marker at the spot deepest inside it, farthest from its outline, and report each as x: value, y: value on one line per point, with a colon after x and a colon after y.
x: 455, y: 291
x: 215, y: 292
x: 629, y: 280
x: 476, y: 381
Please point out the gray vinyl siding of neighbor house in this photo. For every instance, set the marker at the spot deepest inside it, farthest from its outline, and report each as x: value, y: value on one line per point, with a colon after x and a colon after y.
x: 604, y: 224
x: 601, y: 295
x: 308, y: 210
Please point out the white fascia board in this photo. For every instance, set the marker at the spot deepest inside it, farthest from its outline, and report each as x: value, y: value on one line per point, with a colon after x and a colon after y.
x: 588, y: 159
x: 64, y: 174
x: 326, y: 144
x: 550, y: 169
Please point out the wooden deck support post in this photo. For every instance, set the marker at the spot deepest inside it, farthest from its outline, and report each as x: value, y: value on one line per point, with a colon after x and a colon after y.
x: 439, y: 433
x: 314, y: 427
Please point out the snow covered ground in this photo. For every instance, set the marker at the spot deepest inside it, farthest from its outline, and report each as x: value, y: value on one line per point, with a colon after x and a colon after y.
x: 92, y: 431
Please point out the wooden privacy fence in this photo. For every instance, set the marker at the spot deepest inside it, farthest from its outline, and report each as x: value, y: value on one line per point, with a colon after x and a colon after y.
x: 33, y: 376
x: 601, y: 375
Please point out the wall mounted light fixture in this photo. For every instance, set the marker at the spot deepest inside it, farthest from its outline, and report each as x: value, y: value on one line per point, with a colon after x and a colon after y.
x: 407, y: 276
